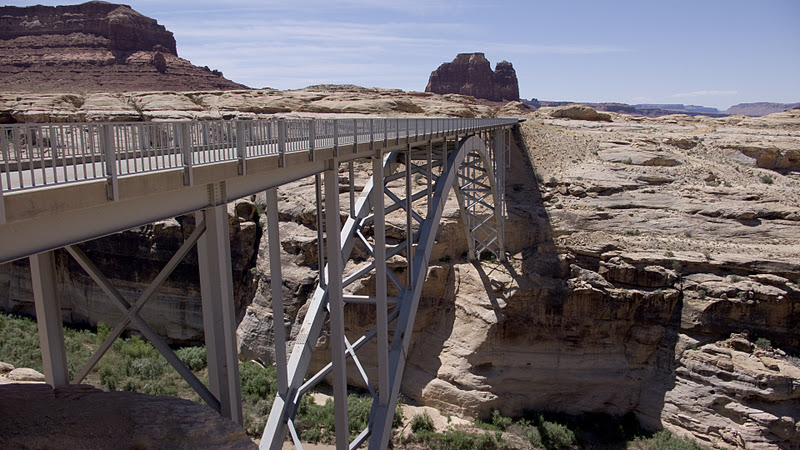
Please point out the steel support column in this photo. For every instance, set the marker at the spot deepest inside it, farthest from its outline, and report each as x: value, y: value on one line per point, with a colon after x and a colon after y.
x: 48, y: 319
x: 219, y: 315
x: 334, y: 268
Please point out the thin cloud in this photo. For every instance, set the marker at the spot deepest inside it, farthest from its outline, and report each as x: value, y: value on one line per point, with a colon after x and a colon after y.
x: 704, y: 94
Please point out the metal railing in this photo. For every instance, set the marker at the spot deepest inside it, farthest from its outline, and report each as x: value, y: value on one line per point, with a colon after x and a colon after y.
x: 38, y: 155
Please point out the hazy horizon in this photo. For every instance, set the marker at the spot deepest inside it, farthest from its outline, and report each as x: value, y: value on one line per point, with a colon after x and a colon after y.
x: 713, y: 53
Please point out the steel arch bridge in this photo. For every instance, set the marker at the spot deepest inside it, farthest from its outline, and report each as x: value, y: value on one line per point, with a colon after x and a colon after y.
x: 108, y: 175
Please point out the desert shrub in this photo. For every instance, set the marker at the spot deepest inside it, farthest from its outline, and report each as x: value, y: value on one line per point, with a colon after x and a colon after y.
x: 19, y: 342
x: 193, y: 357
x: 258, y: 382
x: 422, y: 423
x: 556, y: 435
x: 767, y: 179
x: 664, y: 440
x: 316, y: 423
x: 459, y: 440
x: 763, y: 343
x: 533, y: 435
x: 499, y: 421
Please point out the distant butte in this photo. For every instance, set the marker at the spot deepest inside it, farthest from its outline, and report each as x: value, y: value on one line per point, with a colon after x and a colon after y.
x: 94, y: 47
x: 471, y: 74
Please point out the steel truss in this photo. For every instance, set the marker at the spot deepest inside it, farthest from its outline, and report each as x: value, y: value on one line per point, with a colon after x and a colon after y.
x: 211, y: 237
x: 390, y: 279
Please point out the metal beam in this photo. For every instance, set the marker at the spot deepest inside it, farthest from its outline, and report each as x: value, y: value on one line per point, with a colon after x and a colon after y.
x: 151, y: 336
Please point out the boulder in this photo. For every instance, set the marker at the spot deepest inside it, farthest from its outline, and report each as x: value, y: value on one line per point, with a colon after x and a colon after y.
x: 638, y: 156
x: 25, y: 374
x: 580, y: 112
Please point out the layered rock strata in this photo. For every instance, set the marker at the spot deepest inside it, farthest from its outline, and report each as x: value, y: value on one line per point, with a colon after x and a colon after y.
x: 93, y: 47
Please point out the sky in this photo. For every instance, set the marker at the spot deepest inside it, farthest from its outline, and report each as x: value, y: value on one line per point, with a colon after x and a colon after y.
x: 702, y: 52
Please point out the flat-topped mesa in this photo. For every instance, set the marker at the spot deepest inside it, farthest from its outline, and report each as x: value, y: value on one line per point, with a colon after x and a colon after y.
x: 471, y: 74
x: 125, y: 29
x: 94, y: 47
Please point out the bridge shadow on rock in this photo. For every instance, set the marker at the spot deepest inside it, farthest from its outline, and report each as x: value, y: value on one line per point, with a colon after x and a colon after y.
x: 541, y: 332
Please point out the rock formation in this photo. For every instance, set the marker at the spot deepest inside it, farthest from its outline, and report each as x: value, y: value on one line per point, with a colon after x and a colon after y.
x: 471, y: 74
x: 262, y: 103
x: 93, y: 47
x: 760, y: 108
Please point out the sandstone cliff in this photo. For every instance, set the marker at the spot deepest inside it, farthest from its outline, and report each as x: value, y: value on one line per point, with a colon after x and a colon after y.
x: 93, y: 47
x: 471, y: 74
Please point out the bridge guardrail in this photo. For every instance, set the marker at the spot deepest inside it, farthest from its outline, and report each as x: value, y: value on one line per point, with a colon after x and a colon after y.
x: 38, y: 155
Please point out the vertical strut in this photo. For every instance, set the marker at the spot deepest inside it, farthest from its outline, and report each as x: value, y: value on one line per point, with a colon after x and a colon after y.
x: 379, y: 225
x: 219, y: 315
x: 48, y: 319
x: 276, y: 286
x: 336, y: 306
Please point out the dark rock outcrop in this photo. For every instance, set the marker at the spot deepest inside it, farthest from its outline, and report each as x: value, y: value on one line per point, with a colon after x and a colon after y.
x: 125, y: 29
x: 94, y: 47
x: 471, y: 74
x: 80, y: 416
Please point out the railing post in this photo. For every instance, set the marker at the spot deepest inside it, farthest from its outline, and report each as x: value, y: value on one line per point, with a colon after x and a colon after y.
x: 281, y: 142
x: 372, y: 134
x: 241, y: 146
x: 385, y: 133
x: 2, y: 205
x: 335, y: 137
x: 355, y: 135
x: 107, y: 143
x: 185, y: 141
x: 312, y: 139
x: 53, y: 144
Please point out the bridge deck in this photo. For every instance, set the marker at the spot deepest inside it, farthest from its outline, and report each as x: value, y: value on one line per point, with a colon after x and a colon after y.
x: 66, y: 183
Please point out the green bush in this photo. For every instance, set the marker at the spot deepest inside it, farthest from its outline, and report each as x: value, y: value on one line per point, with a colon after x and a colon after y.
x: 421, y: 423
x: 763, y: 343
x: 499, y: 421
x: 533, y: 435
x: 258, y: 382
x: 193, y: 357
x: 664, y: 440
x: 458, y: 440
x: 19, y: 342
x: 556, y: 435
x: 767, y: 179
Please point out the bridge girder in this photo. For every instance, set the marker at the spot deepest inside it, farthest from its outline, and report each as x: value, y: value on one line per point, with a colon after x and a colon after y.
x: 468, y: 163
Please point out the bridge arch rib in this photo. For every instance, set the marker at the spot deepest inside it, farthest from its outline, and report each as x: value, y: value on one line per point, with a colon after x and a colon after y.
x: 411, y: 188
